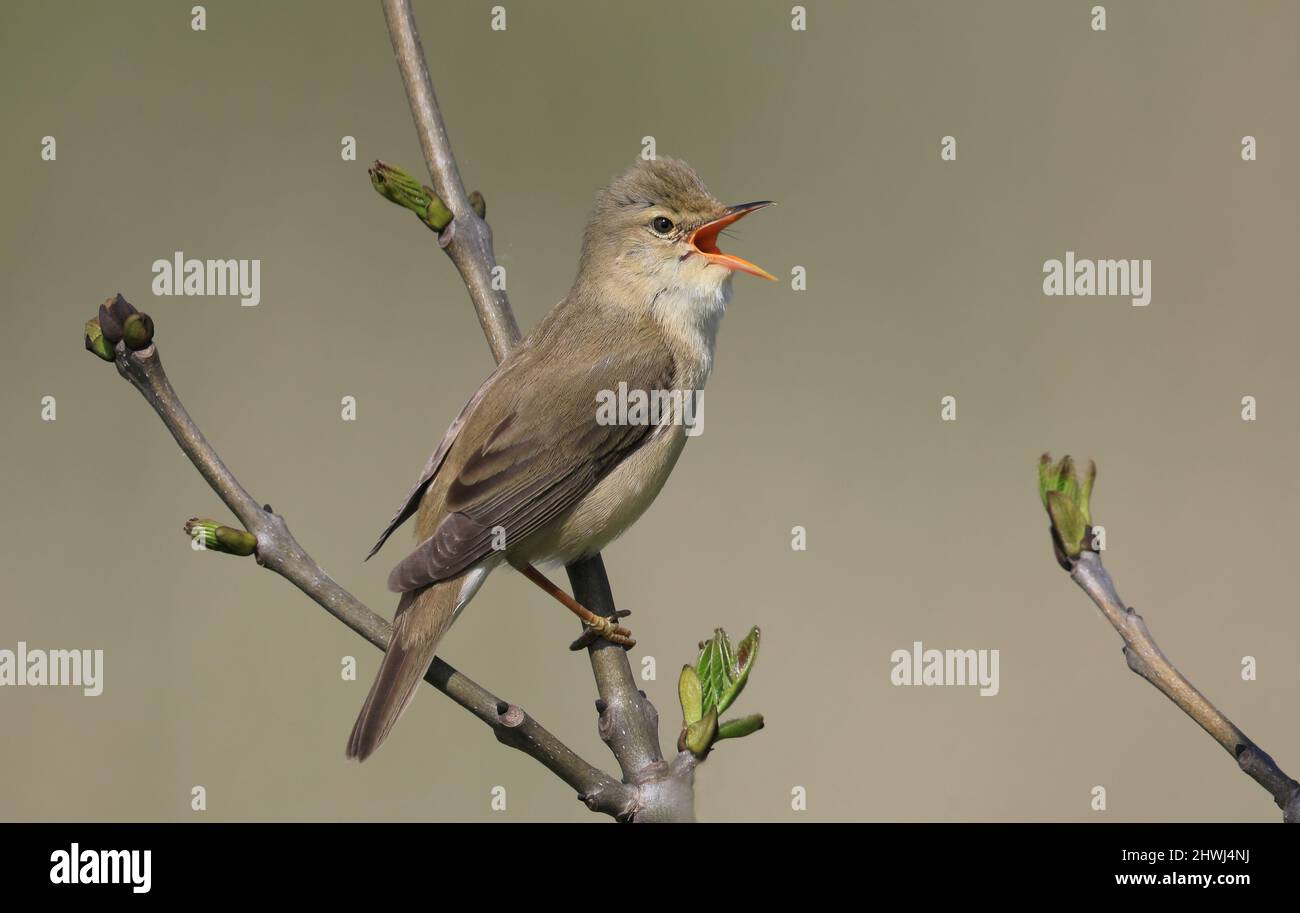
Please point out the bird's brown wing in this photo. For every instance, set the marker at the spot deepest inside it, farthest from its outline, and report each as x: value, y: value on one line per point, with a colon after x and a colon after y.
x: 540, y: 453
x: 412, y: 501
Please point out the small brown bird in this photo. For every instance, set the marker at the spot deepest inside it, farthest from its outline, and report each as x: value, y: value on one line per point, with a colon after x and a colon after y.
x: 530, y: 473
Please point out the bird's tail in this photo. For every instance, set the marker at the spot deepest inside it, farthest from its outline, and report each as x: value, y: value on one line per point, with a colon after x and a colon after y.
x: 423, y: 616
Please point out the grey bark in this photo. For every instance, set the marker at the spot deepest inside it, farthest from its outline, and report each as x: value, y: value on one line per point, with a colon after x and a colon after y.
x: 1145, y: 657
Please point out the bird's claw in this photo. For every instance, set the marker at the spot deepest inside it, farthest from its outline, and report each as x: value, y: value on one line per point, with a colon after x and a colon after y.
x: 605, y: 627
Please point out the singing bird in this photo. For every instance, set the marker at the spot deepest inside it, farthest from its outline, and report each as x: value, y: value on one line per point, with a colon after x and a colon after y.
x: 528, y: 474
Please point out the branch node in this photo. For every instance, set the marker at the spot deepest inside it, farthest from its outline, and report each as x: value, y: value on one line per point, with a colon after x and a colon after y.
x: 512, y: 717
x: 606, y: 726
x: 447, y: 235
x: 1134, y: 661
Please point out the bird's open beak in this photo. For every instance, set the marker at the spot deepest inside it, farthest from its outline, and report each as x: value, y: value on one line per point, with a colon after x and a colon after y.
x: 705, y: 240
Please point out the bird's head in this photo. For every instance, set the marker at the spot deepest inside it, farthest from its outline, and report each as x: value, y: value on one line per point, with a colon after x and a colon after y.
x: 656, y: 227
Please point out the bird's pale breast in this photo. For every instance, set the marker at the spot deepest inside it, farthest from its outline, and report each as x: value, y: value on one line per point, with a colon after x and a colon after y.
x: 616, y: 502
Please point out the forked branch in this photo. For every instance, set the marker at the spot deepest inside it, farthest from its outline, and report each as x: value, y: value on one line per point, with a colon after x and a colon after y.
x: 652, y: 788
x: 279, y: 551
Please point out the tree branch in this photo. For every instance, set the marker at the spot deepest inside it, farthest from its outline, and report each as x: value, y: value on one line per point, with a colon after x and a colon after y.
x: 1067, y: 499
x: 279, y: 551
x: 467, y: 240
x: 1145, y: 657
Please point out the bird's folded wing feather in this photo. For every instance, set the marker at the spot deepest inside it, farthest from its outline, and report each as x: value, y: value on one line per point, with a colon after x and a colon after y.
x: 541, y: 453
x: 411, y: 503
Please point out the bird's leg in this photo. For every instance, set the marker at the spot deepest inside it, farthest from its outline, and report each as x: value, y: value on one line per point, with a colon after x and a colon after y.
x: 597, y: 625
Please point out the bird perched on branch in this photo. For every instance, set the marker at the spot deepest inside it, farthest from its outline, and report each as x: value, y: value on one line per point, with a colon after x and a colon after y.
x: 532, y: 472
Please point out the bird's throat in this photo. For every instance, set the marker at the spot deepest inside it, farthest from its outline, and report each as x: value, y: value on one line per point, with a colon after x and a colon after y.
x: 690, y: 317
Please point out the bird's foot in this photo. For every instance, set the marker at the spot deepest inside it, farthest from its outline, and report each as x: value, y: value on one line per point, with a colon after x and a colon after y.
x: 605, y: 627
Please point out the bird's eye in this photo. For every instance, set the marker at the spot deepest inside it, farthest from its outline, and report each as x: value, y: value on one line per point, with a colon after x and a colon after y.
x: 662, y: 224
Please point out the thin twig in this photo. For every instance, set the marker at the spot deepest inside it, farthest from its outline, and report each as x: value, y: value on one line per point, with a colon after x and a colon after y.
x: 467, y: 240
x: 279, y: 551
x: 1145, y: 657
